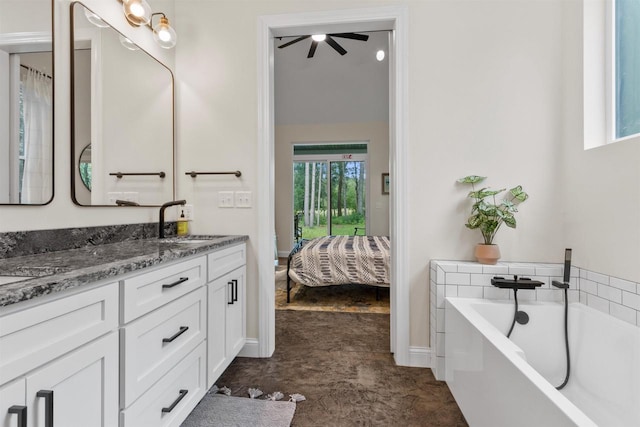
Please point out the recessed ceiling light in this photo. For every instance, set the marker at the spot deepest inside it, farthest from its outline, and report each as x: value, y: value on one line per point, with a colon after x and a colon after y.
x: 319, y: 37
x: 380, y: 55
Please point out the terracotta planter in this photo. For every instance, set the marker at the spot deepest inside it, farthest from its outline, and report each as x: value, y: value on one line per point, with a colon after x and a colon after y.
x: 487, y: 254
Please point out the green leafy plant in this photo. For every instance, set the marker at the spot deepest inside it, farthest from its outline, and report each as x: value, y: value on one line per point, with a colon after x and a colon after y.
x: 486, y: 213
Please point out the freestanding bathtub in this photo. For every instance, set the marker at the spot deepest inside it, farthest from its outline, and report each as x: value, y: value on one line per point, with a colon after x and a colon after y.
x: 498, y: 381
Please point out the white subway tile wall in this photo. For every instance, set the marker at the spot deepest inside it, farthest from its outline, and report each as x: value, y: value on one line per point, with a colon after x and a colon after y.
x: 615, y: 296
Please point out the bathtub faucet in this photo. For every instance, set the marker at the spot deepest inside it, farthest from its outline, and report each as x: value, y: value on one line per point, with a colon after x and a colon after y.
x: 161, y: 220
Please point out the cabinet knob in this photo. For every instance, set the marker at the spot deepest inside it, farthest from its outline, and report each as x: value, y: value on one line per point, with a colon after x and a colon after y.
x: 47, y: 395
x: 21, y: 411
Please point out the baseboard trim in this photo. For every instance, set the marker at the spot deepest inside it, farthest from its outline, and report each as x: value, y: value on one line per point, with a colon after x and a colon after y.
x: 251, y: 348
x: 420, y: 357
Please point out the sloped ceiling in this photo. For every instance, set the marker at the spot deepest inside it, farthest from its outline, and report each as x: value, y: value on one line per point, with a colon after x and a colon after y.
x: 330, y: 88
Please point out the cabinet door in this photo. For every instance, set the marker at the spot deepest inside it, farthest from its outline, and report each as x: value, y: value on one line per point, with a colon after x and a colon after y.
x: 236, y: 314
x: 217, y: 299
x: 12, y: 396
x: 83, y: 386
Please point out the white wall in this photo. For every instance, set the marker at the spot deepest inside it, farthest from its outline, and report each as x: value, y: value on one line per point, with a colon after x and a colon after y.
x: 491, y: 85
x: 376, y: 134
x: 484, y: 97
x: 601, y: 197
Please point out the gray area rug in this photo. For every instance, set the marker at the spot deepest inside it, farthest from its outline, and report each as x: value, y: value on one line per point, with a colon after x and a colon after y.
x: 227, y: 411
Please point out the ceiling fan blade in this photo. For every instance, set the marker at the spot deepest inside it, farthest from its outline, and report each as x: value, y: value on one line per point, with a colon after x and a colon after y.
x: 353, y: 36
x: 293, y: 41
x: 331, y: 42
x: 312, y: 49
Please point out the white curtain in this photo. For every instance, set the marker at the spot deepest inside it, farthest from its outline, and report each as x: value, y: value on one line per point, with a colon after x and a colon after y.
x: 37, y: 181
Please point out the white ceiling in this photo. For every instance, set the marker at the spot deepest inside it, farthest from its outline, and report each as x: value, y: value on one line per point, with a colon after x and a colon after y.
x: 330, y: 88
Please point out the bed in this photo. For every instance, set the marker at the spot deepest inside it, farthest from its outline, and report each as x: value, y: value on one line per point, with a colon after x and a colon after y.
x: 340, y: 260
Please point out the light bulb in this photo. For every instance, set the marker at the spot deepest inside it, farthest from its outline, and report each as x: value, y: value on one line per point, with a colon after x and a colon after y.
x: 380, y: 55
x: 138, y: 12
x: 164, y: 34
x: 319, y: 37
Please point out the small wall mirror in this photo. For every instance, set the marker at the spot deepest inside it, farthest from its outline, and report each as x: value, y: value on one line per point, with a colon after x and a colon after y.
x: 121, y: 118
x: 26, y: 102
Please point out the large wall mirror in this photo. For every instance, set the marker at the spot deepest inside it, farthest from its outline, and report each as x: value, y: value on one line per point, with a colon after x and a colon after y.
x: 122, y: 118
x: 26, y: 102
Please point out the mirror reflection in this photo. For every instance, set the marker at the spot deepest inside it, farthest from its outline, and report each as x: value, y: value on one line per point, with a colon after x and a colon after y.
x: 26, y: 103
x: 122, y: 118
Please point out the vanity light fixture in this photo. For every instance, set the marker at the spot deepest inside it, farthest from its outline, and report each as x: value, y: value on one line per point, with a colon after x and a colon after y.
x: 163, y: 34
x: 137, y: 12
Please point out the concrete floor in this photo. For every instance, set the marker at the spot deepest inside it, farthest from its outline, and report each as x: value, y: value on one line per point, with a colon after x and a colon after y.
x: 341, y: 363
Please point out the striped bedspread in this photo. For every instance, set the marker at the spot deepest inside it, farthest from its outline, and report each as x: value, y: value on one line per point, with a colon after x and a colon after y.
x: 341, y: 260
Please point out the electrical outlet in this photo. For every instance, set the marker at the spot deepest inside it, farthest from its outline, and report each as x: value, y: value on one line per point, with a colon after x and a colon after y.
x: 225, y: 199
x: 187, y: 210
x: 112, y: 196
x: 243, y: 199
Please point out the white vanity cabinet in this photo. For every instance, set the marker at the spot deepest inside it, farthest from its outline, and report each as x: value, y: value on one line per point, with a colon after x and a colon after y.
x: 226, y: 293
x: 162, y: 344
x: 59, y: 362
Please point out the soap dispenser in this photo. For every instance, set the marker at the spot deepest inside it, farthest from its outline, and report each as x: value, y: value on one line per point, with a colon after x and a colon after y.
x: 183, y: 224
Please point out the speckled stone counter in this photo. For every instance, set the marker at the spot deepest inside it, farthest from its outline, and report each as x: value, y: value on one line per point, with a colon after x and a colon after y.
x: 56, y: 271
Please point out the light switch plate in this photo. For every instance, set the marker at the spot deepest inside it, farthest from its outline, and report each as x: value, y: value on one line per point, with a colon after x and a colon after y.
x: 225, y: 199
x: 187, y: 210
x: 243, y: 199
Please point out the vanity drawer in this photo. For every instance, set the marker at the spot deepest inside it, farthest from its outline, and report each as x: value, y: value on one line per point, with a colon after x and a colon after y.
x: 223, y: 261
x: 153, y: 344
x: 187, y: 378
x: 148, y: 291
x: 36, y: 335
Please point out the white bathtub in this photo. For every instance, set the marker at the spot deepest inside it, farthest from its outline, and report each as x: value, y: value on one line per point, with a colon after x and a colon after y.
x: 511, y: 382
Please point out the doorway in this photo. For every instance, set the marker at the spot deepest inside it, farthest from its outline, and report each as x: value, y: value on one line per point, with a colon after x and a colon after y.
x: 393, y: 18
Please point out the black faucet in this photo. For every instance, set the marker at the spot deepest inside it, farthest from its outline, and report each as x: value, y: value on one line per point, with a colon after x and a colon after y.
x: 161, y: 221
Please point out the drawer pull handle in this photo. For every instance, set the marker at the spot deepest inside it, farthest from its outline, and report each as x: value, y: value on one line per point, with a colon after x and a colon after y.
x: 47, y: 395
x: 182, y: 330
x: 22, y: 414
x: 231, y: 300
x: 176, y: 283
x: 183, y: 393
x: 235, y: 296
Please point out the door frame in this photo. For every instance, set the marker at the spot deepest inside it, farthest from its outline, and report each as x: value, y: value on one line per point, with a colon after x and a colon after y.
x: 352, y: 20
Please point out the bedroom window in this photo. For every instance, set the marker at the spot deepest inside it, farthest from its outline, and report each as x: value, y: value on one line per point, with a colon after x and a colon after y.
x: 330, y: 188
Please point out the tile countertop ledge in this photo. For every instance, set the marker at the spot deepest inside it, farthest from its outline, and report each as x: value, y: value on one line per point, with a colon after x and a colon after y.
x: 57, y: 271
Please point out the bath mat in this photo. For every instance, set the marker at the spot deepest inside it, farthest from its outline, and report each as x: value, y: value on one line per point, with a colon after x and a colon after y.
x: 228, y: 411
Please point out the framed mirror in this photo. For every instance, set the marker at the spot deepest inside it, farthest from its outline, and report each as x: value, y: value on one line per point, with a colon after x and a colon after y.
x: 26, y: 102
x: 122, y: 117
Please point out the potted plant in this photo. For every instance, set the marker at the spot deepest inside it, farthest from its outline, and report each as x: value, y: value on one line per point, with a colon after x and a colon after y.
x: 488, y: 215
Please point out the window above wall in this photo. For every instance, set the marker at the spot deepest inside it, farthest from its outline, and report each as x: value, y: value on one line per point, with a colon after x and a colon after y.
x: 625, y: 62
x: 611, y: 71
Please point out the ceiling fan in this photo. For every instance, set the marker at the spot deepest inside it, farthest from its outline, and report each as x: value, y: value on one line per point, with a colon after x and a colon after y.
x: 329, y: 38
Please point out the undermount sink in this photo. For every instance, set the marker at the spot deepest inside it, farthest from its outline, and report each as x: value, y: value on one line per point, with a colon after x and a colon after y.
x: 193, y: 241
x: 5, y: 280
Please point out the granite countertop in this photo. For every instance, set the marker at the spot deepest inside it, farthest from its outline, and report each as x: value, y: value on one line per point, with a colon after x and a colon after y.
x: 51, y: 272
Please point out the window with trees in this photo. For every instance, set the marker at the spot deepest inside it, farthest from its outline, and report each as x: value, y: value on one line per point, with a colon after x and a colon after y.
x: 330, y: 187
